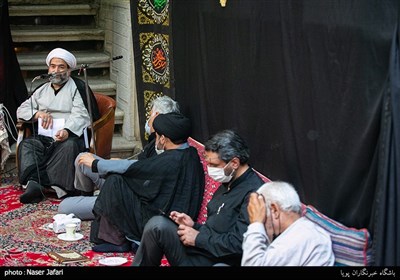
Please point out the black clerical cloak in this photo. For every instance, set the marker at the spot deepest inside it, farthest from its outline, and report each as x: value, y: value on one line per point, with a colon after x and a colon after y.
x: 173, y: 180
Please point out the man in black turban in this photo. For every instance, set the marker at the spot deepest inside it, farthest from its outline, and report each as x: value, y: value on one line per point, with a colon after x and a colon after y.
x: 174, y: 126
x: 172, y: 180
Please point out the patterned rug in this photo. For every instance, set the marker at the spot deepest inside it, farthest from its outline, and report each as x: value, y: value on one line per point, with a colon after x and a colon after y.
x: 25, y: 237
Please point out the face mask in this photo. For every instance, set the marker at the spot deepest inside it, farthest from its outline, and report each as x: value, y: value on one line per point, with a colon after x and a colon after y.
x: 218, y: 174
x: 158, y: 151
x: 147, y: 127
x: 59, y: 79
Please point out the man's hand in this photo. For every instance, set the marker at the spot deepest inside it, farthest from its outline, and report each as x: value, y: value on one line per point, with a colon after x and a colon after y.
x: 256, y: 208
x: 61, y: 135
x: 187, y: 235
x: 181, y: 218
x: 86, y: 159
x: 47, y: 120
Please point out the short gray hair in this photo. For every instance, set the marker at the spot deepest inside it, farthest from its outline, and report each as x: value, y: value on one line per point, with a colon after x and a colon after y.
x: 282, y: 194
x: 164, y: 104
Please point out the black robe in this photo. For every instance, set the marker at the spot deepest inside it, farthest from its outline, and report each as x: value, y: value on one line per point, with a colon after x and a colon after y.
x: 173, y: 180
x: 149, y: 150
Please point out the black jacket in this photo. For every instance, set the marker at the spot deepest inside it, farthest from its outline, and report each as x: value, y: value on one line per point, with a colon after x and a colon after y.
x: 220, y: 238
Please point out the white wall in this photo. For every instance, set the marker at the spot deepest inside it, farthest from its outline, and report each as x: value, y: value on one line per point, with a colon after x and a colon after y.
x: 115, y: 19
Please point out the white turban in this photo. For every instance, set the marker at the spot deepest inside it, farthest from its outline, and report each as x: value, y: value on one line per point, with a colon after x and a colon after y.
x: 65, y: 55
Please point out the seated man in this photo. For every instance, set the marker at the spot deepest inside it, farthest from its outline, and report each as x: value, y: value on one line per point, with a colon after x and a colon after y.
x: 278, y: 235
x: 219, y: 240
x: 48, y: 160
x: 174, y: 179
x: 87, y: 181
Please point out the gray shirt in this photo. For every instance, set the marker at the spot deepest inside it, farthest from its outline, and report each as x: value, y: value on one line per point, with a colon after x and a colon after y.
x: 119, y: 166
x: 303, y: 243
x: 67, y: 104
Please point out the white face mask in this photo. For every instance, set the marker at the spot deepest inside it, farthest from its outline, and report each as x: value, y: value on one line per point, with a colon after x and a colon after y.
x: 218, y: 174
x: 147, y: 127
x: 158, y: 151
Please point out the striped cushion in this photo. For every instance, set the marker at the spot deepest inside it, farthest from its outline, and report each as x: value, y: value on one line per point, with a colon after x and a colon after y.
x: 352, y: 247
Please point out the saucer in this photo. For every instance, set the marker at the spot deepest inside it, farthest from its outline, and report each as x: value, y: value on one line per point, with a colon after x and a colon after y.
x: 64, y: 237
x: 113, y: 261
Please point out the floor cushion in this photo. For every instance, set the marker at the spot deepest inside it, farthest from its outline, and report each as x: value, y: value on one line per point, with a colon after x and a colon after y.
x: 351, y: 246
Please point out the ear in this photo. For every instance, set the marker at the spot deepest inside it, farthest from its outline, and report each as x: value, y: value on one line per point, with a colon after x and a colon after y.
x: 275, y: 210
x: 235, y: 163
x: 166, y: 139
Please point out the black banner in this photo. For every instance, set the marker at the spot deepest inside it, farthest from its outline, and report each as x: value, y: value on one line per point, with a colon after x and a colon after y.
x: 151, y: 32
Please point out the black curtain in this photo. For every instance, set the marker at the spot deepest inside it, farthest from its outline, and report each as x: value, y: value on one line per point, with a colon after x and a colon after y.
x: 304, y: 82
x: 387, y: 212
x: 13, y: 90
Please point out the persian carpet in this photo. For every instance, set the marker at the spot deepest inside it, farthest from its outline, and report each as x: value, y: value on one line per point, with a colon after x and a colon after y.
x: 25, y: 237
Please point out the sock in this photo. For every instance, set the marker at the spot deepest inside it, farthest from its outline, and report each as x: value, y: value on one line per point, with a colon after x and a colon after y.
x: 135, y: 247
x: 32, y: 194
x: 75, y: 192
x: 134, y: 244
x: 86, y: 193
x: 108, y: 247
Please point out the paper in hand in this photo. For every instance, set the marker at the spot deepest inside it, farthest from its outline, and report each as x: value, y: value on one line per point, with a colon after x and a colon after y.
x: 57, y: 125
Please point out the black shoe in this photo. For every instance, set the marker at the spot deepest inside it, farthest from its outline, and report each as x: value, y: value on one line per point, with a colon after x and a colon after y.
x: 109, y: 248
x: 32, y: 194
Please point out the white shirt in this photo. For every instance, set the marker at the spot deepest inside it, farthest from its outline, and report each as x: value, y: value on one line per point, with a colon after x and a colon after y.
x: 303, y: 243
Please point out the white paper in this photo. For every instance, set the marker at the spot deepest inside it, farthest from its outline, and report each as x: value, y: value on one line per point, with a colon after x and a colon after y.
x: 57, y: 125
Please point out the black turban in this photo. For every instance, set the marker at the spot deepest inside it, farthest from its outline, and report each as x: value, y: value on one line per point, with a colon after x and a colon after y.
x: 173, y: 125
